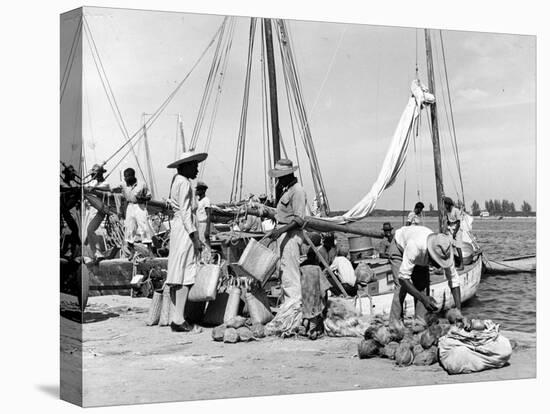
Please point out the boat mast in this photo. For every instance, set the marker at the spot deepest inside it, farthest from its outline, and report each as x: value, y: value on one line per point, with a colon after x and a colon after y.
x: 435, y: 136
x: 182, y: 136
x: 272, y: 91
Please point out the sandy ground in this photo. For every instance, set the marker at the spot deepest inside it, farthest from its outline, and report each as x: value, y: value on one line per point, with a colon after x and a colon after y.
x: 125, y: 362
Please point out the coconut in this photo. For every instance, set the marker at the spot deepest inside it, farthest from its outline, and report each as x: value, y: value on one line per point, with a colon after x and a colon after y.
x: 397, y: 330
x: 218, y: 333
x: 390, y: 349
x: 382, y: 336
x: 367, y: 348
x: 409, y: 343
x: 427, y: 339
x: 426, y: 357
x: 454, y: 316
x: 258, y: 330
x: 418, y: 326
x: 431, y: 319
x: 235, y: 322
x: 404, y: 356
x: 371, y: 331
x: 417, y: 349
x: 231, y: 336
x: 436, y: 331
x: 245, y: 334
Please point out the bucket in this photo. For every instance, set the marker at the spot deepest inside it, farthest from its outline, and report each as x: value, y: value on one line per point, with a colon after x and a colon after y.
x: 360, y: 244
x: 258, y: 261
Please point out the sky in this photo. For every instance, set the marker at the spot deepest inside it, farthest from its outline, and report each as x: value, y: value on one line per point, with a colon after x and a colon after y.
x: 355, y: 81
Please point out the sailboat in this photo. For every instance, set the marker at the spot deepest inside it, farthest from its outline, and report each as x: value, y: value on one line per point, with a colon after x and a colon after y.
x: 353, y: 221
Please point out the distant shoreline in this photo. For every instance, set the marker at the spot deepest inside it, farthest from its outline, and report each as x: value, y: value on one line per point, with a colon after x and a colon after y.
x: 399, y: 213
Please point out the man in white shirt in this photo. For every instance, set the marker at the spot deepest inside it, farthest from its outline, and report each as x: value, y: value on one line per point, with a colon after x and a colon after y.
x: 415, y: 216
x: 202, y: 218
x: 412, y: 251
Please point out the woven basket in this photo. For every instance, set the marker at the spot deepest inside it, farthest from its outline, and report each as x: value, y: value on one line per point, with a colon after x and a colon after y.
x: 258, y: 261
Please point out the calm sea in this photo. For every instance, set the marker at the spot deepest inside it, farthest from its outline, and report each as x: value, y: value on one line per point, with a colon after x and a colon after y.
x: 509, y: 300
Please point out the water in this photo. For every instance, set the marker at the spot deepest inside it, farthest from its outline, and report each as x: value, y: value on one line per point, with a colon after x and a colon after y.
x: 509, y: 300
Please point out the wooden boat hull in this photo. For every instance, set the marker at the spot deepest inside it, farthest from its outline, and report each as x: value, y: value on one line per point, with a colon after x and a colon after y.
x: 470, y: 278
x: 519, y: 265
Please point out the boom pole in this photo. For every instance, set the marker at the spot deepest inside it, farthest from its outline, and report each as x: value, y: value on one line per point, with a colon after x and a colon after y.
x: 435, y: 136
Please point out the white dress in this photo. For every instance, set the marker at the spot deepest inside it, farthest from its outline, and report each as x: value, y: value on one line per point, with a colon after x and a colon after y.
x: 182, y: 261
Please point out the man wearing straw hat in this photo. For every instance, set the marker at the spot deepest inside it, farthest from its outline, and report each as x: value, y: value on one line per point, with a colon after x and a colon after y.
x: 185, y: 244
x: 291, y: 210
x: 412, y: 251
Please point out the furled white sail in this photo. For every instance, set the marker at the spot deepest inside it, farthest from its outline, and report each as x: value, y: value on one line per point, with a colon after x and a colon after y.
x: 397, y: 152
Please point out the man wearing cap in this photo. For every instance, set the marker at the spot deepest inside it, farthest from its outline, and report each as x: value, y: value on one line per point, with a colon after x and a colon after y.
x: 202, y: 218
x: 291, y: 209
x: 384, y: 245
x: 185, y: 244
x: 454, y: 216
x: 412, y: 251
x: 414, y: 217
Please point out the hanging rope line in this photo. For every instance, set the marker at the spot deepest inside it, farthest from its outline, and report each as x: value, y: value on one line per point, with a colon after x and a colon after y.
x: 305, y: 131
x: 208, y: 88
x: 457, y: 152
x: 162, y: 107
x: 238, y: 170
x: 218, y: 88
x: 108, y: 89
x: 70, y: 60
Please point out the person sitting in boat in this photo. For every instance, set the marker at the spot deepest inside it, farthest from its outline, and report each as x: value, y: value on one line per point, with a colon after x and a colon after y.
x: 136, y: 194
x: 384, y: 244
x: 412, y: 251
x: 185, y: 245
x: 415, y: 216
x: 291, y: 209
x: 202, y: 218
x: 328, y: 248
x: 454, y: 217
x: 343, y: 269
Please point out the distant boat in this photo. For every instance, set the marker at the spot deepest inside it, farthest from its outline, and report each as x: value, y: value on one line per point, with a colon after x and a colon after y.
x: 523, y: 264
x: 484, y: 214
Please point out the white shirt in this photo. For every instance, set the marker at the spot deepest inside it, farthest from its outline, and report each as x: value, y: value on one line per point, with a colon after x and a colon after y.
x: 345, y: 269
x: 414, y: 242
x: 201, y: 209
x: 413, y: 218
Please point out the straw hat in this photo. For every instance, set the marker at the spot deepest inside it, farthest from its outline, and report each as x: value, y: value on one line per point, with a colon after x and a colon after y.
x: 439, y: 247
x: 282, y: 167
x: 189, y: 156
x: 387, y: 226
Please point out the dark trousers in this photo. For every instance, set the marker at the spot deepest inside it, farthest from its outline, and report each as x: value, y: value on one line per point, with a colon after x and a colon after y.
x: 420, y: 279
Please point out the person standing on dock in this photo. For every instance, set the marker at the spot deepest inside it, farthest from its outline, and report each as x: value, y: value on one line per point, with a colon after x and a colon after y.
x: 202, y: 218
x: 454, y: 217
x: 136, y: 194
x: 185, y: 242
x: 414, y: 218
x: 385, y: 243
x: 291, y: 209
x: 412, y: 251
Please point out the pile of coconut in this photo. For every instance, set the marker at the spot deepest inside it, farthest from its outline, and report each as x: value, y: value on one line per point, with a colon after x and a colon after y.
x: 412, y: 342
x: 238, y: 329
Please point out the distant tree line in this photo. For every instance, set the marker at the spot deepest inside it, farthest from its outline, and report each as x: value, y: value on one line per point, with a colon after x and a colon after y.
x: 501, y: 207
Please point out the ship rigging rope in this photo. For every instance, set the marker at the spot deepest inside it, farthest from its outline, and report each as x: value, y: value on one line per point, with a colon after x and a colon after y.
x: 208, y: 88
x: 108, y: 89
x: 165, y: 103
x: 289, y: 63
x: 219, y: 88
x: 265, y: 131
x: 70, y: 60
x: 237, y: 183
x: 452, y: 118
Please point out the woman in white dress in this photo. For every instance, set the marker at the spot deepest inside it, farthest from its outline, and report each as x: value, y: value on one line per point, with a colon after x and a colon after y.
x: 184, y: 238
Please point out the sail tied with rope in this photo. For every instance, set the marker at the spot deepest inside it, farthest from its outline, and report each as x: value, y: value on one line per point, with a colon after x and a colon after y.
x: 397, y: 152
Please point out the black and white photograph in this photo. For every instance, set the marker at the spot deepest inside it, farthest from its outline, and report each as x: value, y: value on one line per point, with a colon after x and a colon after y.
x: 255, y: 206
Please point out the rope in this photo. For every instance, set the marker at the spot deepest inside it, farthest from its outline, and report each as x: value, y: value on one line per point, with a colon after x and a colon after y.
x: 237, y: 184
x: 108, y: 89
x: 70, y: 60
x: 165, y: 103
